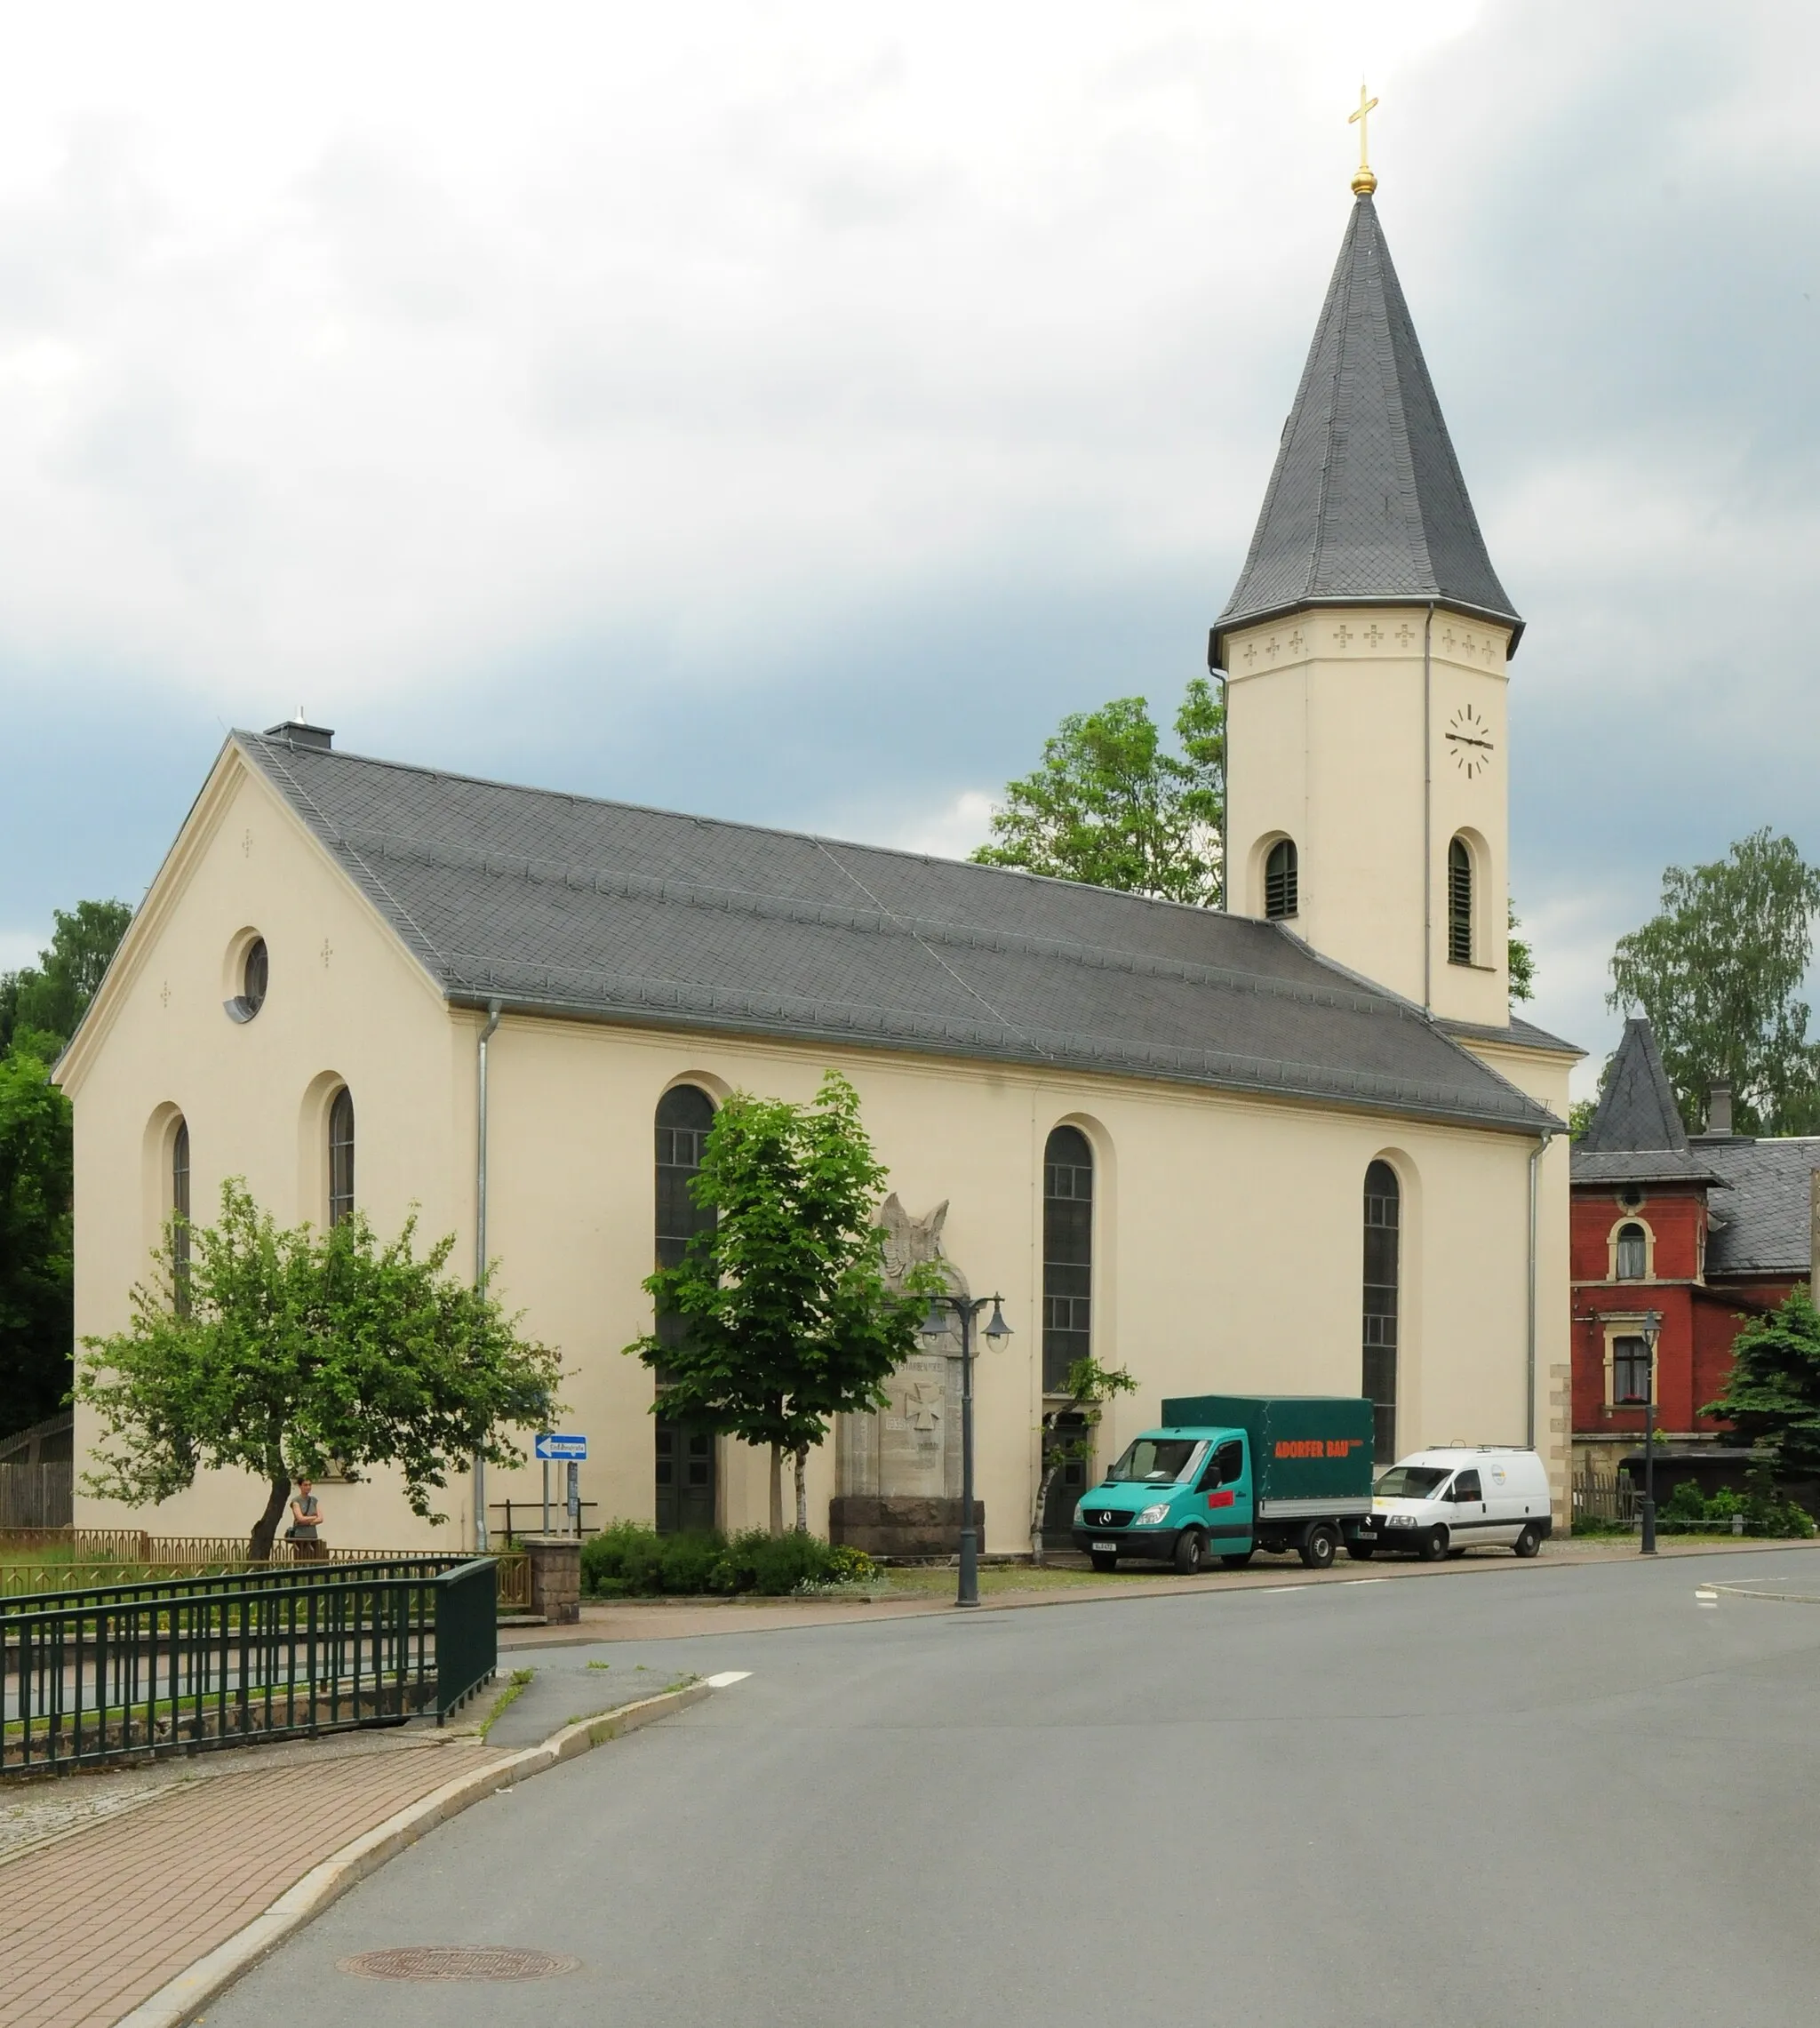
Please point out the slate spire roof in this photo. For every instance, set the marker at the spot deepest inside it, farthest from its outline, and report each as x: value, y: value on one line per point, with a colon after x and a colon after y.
x: 1367, y: 503
x: 1636, y: 1134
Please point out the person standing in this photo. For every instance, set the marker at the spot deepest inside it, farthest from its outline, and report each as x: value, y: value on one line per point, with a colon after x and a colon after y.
x: 305, y: 1532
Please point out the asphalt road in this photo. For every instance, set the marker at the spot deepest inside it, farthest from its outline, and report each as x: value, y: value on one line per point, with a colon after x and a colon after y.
x: 1493, y: 1797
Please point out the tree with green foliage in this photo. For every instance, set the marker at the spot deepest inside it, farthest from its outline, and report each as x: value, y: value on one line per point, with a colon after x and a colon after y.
x: 1069, y: 1429
x: 1521, y: 960
x: 39, y: 1009
x: 1109, y: 806
x: 1718, y: 971
x: 785, y: 1317
x: 54, y: 994
x: 294, y: 1348
x: 37, y: 1315
x: 1772, y: 1397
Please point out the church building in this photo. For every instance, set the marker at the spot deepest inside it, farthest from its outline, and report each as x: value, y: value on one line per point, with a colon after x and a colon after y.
x: 1299, y: 1146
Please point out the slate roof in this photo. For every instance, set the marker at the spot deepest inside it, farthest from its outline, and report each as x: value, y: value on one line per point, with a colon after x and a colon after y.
x: 1761, y: 1216
x: 1366, y: 502
x: 607, y: 911
x: 1636, y: 1134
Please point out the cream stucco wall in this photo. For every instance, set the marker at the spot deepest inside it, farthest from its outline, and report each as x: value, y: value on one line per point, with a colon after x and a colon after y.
x: 1228, y: 1245
x: 1326, y: 736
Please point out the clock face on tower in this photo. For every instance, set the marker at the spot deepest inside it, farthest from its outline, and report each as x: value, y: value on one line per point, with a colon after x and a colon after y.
x: 1469, y: 739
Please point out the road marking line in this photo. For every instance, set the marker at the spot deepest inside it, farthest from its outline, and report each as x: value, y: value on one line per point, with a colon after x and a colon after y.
x: 726, y: 1677
x: 1365, y: 1580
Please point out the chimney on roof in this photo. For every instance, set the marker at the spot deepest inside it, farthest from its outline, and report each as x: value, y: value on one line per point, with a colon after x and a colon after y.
x: 295, y: 733
x: 1718, y: 1110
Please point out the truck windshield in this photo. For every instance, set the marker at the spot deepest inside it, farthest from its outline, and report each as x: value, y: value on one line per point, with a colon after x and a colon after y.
x: 1157, y: 1460
x: 1408, y: 1482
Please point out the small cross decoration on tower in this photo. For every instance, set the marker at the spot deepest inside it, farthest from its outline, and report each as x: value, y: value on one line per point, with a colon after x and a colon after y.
x: 1363, y: 182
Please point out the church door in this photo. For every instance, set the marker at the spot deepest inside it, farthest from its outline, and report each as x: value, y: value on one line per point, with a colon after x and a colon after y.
x: 1066, y: 1488
x: 685, y: 1475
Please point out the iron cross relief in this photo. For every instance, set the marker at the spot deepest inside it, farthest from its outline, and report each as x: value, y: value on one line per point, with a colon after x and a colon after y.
x: 1470, y: 737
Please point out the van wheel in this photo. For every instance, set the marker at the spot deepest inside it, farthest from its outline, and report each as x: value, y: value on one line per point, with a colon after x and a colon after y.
x: 1318, y: 1550
x: 1191, y: 1551
x: 1529, y: 1542
x: 1104, y: 1559
x: 1361, y: 1551
x: 1434, y: 1545
x: 1238, y: 1558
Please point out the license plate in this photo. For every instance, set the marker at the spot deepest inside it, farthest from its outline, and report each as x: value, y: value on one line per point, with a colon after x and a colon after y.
x: 1099, y: 1546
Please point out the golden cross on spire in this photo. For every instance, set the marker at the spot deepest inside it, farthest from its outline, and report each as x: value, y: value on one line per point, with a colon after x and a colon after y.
x: 1364, y: 182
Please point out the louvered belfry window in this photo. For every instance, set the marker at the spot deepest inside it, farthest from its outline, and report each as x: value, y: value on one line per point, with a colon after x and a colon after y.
x: 1460, y: 903
x: 1280, y: 881
x: 1067, y: 1254
x: 340, y: 1156
x: 1383, y: 1268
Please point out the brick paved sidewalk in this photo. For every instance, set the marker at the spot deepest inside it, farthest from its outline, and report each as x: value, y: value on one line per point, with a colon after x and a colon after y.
x: 99, y: 1917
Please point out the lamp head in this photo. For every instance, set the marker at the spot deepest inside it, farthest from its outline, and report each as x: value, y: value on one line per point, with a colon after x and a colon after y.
x: 935, y: 1321
x: 1652, y: 1326
x: 998, y: 1331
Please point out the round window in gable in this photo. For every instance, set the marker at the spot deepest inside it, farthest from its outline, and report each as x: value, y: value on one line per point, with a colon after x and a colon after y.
x: 254, y: 968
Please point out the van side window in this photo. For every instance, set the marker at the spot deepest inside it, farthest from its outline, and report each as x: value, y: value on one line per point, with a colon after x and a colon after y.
x: 1466, y: 1487
x: 1226, y: 1466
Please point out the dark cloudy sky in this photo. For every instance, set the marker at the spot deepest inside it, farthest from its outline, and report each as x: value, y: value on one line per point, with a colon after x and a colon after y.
x: 789, y: 411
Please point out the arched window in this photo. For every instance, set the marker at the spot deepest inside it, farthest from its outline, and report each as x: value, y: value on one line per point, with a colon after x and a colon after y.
x: 179, y: 1216
x: 685, y: 1452
x: 1633, y: 1253
x: 1280, y: 881
x: 340, y: 1156
x: 1460, y: 903
x: 1067, y: 1254
x: 1382, y: 1265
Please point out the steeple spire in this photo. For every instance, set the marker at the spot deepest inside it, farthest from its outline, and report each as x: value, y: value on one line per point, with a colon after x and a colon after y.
x: 1363, y: 182
x: 1367, y: 505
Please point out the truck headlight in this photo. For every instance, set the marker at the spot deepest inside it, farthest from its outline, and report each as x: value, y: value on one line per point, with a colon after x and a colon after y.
x: 1151, y: 1516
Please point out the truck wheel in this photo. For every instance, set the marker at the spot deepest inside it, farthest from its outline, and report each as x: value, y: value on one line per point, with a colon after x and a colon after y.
x: 1238, y: 1558
x: 1318, y: 1549
x: 1435, y: 1545
x: 1105, y: 1560
x: 1529, y: 1542
x: 1191, y: 1551
x: 1361, y: 1551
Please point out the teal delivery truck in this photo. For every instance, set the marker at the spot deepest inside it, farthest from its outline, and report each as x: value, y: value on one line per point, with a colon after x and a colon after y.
x: 1229, y: 1475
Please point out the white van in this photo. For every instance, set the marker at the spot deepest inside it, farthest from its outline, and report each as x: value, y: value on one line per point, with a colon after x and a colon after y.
x: 1443, y: 1503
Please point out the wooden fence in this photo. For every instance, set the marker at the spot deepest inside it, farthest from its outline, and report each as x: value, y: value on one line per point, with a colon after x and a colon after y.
x: 37, y: 1495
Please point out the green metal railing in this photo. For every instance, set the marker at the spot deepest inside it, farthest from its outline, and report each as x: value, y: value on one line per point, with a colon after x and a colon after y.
x: 181, y: 1665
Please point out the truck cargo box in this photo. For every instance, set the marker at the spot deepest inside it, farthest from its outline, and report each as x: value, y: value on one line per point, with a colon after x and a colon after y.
x: 1311, y: 1453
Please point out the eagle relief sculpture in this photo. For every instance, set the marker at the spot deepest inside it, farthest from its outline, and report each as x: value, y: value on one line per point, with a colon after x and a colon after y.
x: 910, y: 1242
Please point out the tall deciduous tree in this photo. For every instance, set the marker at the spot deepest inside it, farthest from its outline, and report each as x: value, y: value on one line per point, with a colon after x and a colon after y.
x: 1109, y: 805
x: 54, y: 994
x: 294, y: 1348
x: 786, y: 1317
x: 1718, y: 972
x: 1772, y: 1396
x: 36, y: 1316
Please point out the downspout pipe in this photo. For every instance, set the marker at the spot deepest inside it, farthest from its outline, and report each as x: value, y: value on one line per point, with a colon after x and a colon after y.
x: 495, y: 1007
x: 1535, y: 1155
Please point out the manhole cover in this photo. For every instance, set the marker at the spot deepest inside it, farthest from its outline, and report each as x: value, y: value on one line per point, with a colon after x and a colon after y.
x: 431, y: 1961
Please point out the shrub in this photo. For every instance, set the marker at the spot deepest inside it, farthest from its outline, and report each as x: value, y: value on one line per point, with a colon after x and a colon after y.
x: 631, y: 1560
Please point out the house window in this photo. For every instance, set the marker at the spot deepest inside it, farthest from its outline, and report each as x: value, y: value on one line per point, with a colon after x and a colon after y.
x: 1633, y: 1253
x: 1630, y: 1372
x: 179, y: 1216
x: 340, y: 1156
x: 685, y: 1452
x: 1383, y: 1262
x: 1067, y: 1255
x: 1460, y: 903
x: 1280, y: 881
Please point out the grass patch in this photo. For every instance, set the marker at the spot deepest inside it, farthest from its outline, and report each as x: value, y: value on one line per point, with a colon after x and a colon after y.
x: 505, y: 1699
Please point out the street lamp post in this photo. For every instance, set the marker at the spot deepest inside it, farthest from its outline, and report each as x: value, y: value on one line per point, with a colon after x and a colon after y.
x: 935, y: 1325
x: 1652, y: 1330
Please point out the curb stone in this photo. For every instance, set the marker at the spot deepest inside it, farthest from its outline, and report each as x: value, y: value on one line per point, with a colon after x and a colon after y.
x: 177, y: 2001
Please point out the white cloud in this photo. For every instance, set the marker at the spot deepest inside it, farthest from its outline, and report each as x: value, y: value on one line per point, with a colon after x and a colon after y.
x: 950, y: 832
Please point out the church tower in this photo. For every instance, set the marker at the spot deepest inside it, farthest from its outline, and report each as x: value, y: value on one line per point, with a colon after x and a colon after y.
x: 1366, y: 644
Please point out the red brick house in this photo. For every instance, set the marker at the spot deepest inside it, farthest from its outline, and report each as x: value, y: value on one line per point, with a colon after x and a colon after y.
x: 1705, y: 1229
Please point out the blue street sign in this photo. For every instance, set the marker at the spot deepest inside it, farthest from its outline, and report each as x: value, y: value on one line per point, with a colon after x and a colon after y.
x: 549, y: 1444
